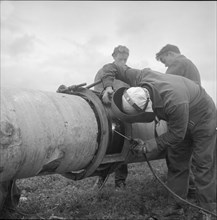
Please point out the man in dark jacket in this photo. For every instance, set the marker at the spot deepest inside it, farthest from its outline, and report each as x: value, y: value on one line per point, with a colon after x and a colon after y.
x: 178, y: 64
x: 120, y: 56
x: 191, y: 119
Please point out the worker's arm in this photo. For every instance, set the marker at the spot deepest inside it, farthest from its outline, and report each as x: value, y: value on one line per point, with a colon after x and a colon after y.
x: 177, y: 127
x: 98, y: 87
x: 113, y: 71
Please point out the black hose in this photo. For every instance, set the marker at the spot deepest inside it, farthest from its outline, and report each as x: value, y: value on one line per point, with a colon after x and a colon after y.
x: 173, y: 193
x: 133, y: 145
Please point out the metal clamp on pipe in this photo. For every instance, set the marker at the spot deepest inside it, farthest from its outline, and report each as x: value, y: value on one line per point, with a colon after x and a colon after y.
x: 103, y: 133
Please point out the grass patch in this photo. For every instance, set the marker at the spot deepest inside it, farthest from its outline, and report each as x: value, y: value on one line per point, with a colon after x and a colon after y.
x: 55, y: 197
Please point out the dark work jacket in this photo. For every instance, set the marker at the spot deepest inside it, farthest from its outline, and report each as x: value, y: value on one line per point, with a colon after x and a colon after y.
x: 184, y: 67
x: 174, y: 99
x: 116, y: 84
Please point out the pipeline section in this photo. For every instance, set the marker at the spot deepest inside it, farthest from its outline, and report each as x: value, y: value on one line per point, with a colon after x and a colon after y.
x: 70, y: 134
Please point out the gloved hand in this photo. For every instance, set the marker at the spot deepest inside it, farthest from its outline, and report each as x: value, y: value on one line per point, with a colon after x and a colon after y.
x: 138, y: 147
x: 107, y: 95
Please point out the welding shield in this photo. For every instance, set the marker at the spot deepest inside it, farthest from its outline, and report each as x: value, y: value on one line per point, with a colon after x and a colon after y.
x: 116, y: 106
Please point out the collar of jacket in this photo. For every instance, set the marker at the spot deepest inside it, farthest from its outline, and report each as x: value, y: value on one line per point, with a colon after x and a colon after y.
x: 180, y: 56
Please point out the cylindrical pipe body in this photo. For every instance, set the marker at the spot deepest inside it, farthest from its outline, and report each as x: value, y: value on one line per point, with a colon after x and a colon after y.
x: 40, y: 127
x: 70, y: 134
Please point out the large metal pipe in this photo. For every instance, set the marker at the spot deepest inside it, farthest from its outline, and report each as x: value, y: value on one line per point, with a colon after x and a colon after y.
x: 46, y: 132
x: 42, y: 128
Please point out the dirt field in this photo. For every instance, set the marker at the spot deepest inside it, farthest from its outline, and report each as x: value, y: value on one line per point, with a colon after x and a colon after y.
x: 55, y: 197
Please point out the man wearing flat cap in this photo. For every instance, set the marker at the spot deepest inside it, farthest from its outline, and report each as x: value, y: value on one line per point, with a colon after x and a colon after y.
x: 190, y: 114
x: 120, y: 55
x: 177, y: 63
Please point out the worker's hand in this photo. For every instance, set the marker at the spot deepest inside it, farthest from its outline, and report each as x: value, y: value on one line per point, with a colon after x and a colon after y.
x: 62, y: 88
x: 138, y: 147
x: 107, y: 95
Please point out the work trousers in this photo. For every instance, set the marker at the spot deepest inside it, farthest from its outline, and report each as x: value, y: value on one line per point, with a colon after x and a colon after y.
x: 121, y: 174
x: 200, y: 143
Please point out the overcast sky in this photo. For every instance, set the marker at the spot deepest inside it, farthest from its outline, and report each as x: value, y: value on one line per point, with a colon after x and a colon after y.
x: 48, y: 43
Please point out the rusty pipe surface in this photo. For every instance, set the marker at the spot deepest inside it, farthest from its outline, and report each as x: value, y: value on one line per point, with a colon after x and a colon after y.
x: 45, y: 130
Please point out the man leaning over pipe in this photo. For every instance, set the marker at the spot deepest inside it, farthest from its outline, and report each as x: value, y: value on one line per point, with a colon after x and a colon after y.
x: 191, y: 119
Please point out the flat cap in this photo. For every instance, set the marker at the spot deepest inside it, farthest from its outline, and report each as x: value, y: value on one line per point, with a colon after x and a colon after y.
x: 120, y: 49
x: 167, y: 48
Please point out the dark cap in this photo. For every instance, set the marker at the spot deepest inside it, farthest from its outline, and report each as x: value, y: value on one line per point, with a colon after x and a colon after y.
x: 167, y: 48
x: 120, y: 49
